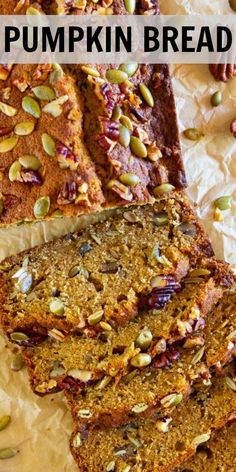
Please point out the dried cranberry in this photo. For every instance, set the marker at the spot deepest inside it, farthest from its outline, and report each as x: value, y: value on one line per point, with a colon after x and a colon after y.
x: 73, y: 385
x: 161, y: 361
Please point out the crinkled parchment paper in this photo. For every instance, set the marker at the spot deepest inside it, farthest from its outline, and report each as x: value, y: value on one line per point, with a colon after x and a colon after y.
x: 41, y: 427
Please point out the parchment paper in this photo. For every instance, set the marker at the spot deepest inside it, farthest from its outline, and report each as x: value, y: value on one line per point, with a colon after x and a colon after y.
x: 41, y: 427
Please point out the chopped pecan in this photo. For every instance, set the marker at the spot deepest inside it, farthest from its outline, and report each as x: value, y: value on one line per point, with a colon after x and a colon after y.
x: 41, y: 72
x: 106, y: 143
x: 233, y: 127
x: 5, y: 70
x: 22, y: 84
x: 110, y: 128
x: 20, y: 4
x: 67, y: 194
x: 30, y: 176
x: 223, y: 72
x: 66, y: 158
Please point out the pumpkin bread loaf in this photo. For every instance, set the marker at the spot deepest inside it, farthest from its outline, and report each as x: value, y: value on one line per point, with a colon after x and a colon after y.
x: 45, y: 165
x: 216, y: 455
x: 124, y: 115
x: 62, y: 283
x: 161, y: 442
x: 152, y: 338
x: 133, y: 139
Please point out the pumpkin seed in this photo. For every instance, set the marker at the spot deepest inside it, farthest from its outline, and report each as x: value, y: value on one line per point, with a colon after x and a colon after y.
x: 216, y: 99
x: 57, y: 372
x: 84, y: 413
x: 7, y: 452
x: 144, y: 339
x: 54, y: 107
x: 171, y: 400
x: 124, y: 138
x: 146, y: 94
x: 77, y: 441
x: 32, y: 11
x: 223, y: 203
x: 24, y: 128
x: 41, y: 207
x: 111, y: 466
x: 14, y: 171
x: 130, y: 6
x: 116, y: 114
x: 140, y: 407
x: 29, y: 161
x: 126, y: 121
x: 232, y: 4
x: 48, y: 144
x: 141, y: 360
x: 75, y: 270
x: 56, y: 74
x: 163, y: 425
x: 137, y: 147
x: 129, y: 68
x: 232, y: 336
x: 231, y: 383
x: 193, y: 134
x: 127, y: 468
x: 31, y: 106
x: 163, y: 189
x: 44, y: 92
x: 8, y: 144
x: 103, y: 382
x: 7, y: 109
x: 17, y: 362
x: 83, y: 375
x: 129, y: 179
x: 160, y: 218
x: 199, y: 272
x: 17, y: 336
x: 25, y: 283
x: 131, y: 217
x: 106, y: 326
x: 95, y: 317
x: 201, y: 439
x: 116, y: 76
x: 57, y: 307
x: 4, y: 422
x: 90, y: 71
x: 127, y: 378
x: 198, y: 356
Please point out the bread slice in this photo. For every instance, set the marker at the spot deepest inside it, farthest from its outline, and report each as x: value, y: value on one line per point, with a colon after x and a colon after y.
x: 217, y: 454
x: 118, y: 402
x: 162, y: 442
x: 133, y: 260
x: 156, y: 335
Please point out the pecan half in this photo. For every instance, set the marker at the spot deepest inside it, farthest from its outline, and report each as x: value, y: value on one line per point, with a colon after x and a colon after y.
x: 110, y: 128
x: 223, y: 72
x: 159, y: 296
